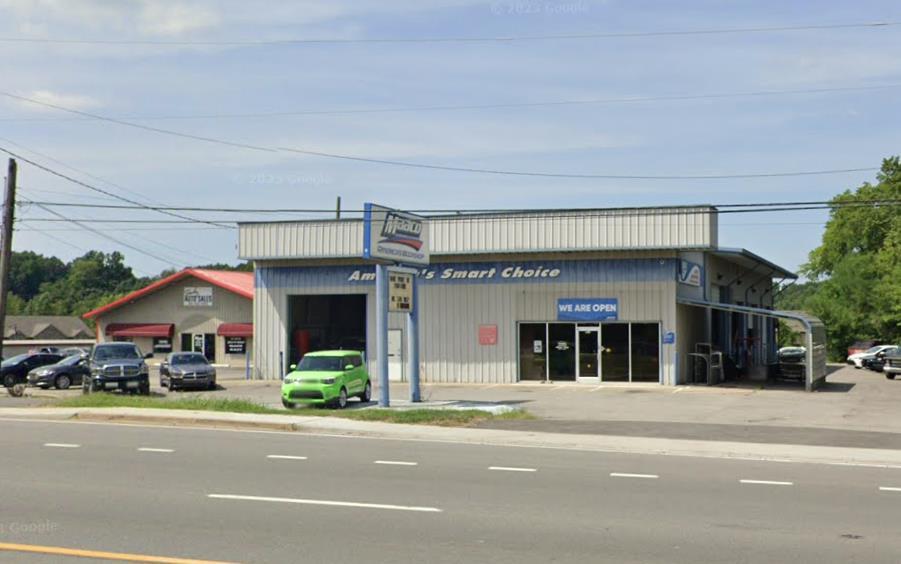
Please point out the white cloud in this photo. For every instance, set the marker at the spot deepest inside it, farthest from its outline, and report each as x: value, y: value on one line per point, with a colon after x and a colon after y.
x: 176, y: 18
x: 72, y: 101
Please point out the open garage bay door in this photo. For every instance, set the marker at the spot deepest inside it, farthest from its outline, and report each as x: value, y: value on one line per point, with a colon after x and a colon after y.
x: 813, y: 329
x: 326, y: 322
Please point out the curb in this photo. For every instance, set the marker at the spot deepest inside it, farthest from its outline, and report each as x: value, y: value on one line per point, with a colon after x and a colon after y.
x: 312, y: 425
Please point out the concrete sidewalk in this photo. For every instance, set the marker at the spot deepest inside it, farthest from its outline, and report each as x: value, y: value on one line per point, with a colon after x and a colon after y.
x: 879, y: 458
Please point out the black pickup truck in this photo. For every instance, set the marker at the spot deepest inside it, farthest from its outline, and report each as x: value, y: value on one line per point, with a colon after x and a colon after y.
x: 117, y: 366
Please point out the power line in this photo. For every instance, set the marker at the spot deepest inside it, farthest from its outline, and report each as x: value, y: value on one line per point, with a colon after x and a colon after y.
x: 96, y: 220
x: 451, y: 39
x: 433, y: 108
x: 100, y: 190
x: 79, y: 223
x: 627, y: 214
x: 825, y: 203
x: 429, y: 166
x: 76, y: 247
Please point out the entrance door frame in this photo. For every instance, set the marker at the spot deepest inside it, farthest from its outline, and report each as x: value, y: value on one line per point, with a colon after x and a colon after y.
x: 591, y: 378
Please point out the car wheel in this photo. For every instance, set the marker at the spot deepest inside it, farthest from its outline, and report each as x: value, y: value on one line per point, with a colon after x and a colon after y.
x: 144, y: 390
x: 890, y: 376
x: 171, y: 386
x: 163, y: 383
x: 288, y: 404
x: 63, y: 382
x: 212, y: 385
x: 9, y: 380
x: 367, y: 393
x: 342, y: 398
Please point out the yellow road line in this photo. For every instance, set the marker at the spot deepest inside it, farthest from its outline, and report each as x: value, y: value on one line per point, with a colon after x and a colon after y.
x: 80, y: 553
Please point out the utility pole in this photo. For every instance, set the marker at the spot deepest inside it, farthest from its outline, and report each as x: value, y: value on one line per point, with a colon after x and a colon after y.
x: 338, y: 208
x: 6, y: 245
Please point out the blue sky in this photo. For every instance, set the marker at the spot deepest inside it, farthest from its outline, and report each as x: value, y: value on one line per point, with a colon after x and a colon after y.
x: 711, y: 136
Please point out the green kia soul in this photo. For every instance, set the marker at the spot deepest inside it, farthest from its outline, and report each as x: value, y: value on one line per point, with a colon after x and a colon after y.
x: 327, y: 377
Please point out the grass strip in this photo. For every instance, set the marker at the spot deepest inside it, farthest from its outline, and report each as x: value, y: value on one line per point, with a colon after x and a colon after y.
x: 417, y: 416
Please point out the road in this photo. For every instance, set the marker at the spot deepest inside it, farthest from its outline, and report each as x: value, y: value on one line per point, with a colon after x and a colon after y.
x: 278, y: 497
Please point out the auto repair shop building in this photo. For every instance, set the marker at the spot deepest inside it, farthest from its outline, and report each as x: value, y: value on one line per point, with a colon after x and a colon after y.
x: 205, y: 311
x: 616, y: 295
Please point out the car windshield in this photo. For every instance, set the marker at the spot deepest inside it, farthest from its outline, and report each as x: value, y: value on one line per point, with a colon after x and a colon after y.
x: 321, y: 364
x: 178, y: 359
x: 13, y: 360
x: 875, y: 349
x: 106, y: 353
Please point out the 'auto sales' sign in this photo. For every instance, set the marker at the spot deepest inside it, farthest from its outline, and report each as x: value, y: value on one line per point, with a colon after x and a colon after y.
x: 198, y: 296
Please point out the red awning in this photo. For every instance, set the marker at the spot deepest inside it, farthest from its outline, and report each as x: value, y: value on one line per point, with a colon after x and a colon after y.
x: 235, y: 330
x: 140, y: 329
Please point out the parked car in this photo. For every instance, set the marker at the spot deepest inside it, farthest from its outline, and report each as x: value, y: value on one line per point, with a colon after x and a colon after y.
x: 892, y: 366
x: 327, y: 378
x: 70, y: 371
x: 15, y: 369
x: 118, y: 366
x: 187, y: 370
x: 858, y: 358
x: 860, y: 347
x: 792, y: 362
x: 82, y: 352
x: 877, y: 362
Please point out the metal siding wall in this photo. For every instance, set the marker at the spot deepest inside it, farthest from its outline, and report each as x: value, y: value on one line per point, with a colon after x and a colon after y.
x: 549, y: 231
x: 452, y: 313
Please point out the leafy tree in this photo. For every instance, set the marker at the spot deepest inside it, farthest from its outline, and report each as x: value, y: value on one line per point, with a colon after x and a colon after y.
x: 28, y: 270
x: 857, y: 267
x: 242, y: 267
x: 93, y: 279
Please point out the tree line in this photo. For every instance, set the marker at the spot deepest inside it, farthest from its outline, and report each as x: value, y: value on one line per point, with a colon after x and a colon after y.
x: 45, y: 285
x: 854, y: 276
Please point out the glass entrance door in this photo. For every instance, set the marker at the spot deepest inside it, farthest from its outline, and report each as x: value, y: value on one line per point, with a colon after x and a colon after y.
x: 589, y: 347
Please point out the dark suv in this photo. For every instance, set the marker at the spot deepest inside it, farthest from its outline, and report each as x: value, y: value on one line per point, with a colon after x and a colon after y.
x: 118, y: 366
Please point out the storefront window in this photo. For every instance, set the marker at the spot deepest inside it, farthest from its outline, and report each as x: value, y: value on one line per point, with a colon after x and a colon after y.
x: 532, y: 351
x: 645, y: 352
x: 615, y: 360
x: 562, y: 351
x: 162, y: 345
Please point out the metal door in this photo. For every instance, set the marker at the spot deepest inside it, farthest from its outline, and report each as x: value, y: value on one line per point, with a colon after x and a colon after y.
x: 396, y: 355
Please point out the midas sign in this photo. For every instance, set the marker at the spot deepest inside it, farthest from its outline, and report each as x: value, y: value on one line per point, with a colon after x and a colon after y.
x: 393, y: 235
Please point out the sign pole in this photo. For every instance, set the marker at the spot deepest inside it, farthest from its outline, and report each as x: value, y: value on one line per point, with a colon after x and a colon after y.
x: 381, y: 333
x: 413, y: 344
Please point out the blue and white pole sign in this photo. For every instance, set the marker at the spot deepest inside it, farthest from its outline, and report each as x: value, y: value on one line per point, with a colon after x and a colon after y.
x: 394, y: 235
x: 587, y: 309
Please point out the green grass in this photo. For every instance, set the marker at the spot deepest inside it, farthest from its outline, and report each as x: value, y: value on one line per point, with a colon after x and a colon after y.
x: 424, y: 416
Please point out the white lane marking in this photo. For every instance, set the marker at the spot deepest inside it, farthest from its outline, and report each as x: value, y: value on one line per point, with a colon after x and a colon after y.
x: 767, y: 482
x: 326, y: 502
x: 889, y: 489
x: 148, y: 449
x: 396, y: 463
x: 495, y: 443
x: 512, y: 469
x: 626, y: 475
x: 61, y: 445
x: 285, y: 457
